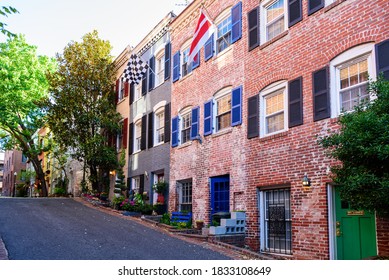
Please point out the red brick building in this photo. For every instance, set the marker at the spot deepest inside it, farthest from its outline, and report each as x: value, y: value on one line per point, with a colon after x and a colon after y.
x: 247, y: 116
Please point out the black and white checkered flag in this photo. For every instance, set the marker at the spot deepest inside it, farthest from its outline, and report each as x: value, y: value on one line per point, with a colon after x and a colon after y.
x: 135, y: 70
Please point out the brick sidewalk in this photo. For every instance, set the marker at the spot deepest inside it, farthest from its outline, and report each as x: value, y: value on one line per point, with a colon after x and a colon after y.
x: 3, y: 251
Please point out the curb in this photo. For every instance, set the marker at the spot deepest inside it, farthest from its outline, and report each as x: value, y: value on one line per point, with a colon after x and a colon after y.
x: 3, y: 250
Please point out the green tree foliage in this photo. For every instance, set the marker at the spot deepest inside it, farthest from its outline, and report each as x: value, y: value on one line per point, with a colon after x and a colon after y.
x: 23, y: 87
x: 81, y: 110
x: 362, y: 147
x: 4, y: 12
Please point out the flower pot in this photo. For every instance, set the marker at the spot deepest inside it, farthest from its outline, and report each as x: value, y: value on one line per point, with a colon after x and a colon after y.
x: 199, y: 225
x: 160, y: 199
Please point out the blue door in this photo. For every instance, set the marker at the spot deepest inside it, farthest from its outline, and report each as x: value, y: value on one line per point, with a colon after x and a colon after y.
x: 220, y: 194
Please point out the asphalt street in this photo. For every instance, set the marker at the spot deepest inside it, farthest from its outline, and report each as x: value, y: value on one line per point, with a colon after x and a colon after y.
x: 64, y: 229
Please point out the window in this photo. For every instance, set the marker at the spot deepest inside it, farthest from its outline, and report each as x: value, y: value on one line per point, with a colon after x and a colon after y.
x: 160, y: 68
x: 223, y: 112
x: 275, y: 216
x: 159, y: 126
x: 223, y: 34
x: 121, y: 90
x: 350, y: 72
x: 186, y: 67
x: 185, y: 195
x: 138, y: 91
x: 135, y: 186
x: 119, y: 137
x: 138, y: 136
x: 273, y: 19
x: 273, y: 108
x: 185, y: 127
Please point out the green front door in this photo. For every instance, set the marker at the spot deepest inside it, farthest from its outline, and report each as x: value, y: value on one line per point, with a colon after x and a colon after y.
x: 355, y: 232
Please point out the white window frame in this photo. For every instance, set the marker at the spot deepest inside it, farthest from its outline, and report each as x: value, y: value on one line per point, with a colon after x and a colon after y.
x: 160, y: 67
x: 184, y: 112
x: 268, y: 92
x: 367, y: 50
x: 184, y: 58
x: 225, y: 15
x: 263, y: 19
x: 119, y: 137
x: 121, y: 90
x: 184, y: 186
x: 219, y: 95
x: 138, y: 91
x: 137, y: 138
x: 157, y: 128
x: 135, y: 184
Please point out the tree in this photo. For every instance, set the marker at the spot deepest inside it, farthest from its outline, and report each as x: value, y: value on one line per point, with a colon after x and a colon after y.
x: 5, y: 11
x: 81, y: 108
x: 362, y: 148
x: 23, y: 87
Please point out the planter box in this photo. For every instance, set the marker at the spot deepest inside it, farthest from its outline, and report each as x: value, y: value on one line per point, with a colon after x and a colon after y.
x: 238, y: 215
x: 228, y: 222
x: 217, y: 230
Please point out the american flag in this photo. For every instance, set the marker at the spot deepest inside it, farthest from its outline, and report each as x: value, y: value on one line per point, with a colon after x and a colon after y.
x: 135, y: 70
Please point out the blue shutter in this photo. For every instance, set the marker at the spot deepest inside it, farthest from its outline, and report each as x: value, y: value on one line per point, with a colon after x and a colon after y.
x: 208, y: 48
x: 194, y: 129
x: 236, y: 22
x: 236, y: 110
x: 151, y: 73
x: 208, y: 118
x: 176, y: 66
x: 167, y: 60
x: 175, y: 132
x: 196, y: 61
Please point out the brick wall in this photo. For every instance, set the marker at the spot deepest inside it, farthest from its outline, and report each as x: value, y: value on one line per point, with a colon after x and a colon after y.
x: 284, y: 158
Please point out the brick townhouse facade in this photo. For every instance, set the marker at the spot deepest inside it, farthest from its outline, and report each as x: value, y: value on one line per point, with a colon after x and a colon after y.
x: 14, y: 171
x: 149, y: 114
x: 247, y: 114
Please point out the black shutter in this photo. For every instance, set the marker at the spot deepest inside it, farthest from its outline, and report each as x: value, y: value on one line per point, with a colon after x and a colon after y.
x: 144, y: 84
x: 382, y: 58
x: 151, y: 131
x: 321, y: 95
x: 167, y: 123
x: 253, y: 26
x: 151, y: 73
x: 314, y: 5
x: 131, y: 139
x: 167, y: 60
x: 143, y: 133
x: 141, y: 183
x: 295, y: 12
x: 295, y: 102
x: 132, y: 90
x: 253, y: 116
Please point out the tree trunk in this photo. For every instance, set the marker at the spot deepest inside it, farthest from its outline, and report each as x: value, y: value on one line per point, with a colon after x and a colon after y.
x: 94, y: 177
x: 40, y: 174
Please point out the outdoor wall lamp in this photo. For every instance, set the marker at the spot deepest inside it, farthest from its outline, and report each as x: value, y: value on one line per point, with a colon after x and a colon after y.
x: 306, y: 181
x: 112, y: 172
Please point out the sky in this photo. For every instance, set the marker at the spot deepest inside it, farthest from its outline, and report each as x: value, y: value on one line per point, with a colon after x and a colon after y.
x: 52, y: 24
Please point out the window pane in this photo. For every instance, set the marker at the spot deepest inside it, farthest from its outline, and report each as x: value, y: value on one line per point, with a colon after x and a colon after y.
x: 275, y: 103
x: 275, y: 10
x: 353, y: 85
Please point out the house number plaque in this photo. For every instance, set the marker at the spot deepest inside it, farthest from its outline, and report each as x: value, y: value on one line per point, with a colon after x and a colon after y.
x: 355, y: 213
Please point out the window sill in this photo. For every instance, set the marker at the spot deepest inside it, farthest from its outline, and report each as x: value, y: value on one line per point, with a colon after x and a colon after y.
x: 185, y: 145
x: 158, y: 144
x: 223, y: 52
x: 333, y: 5
x: 273, y: 136
x: 121, y: 101
x: 278, y: 37
x: 222, y: 132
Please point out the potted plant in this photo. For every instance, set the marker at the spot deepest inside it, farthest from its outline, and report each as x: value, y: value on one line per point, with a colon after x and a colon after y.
x: 199, y: 224
x: 160, y: 188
